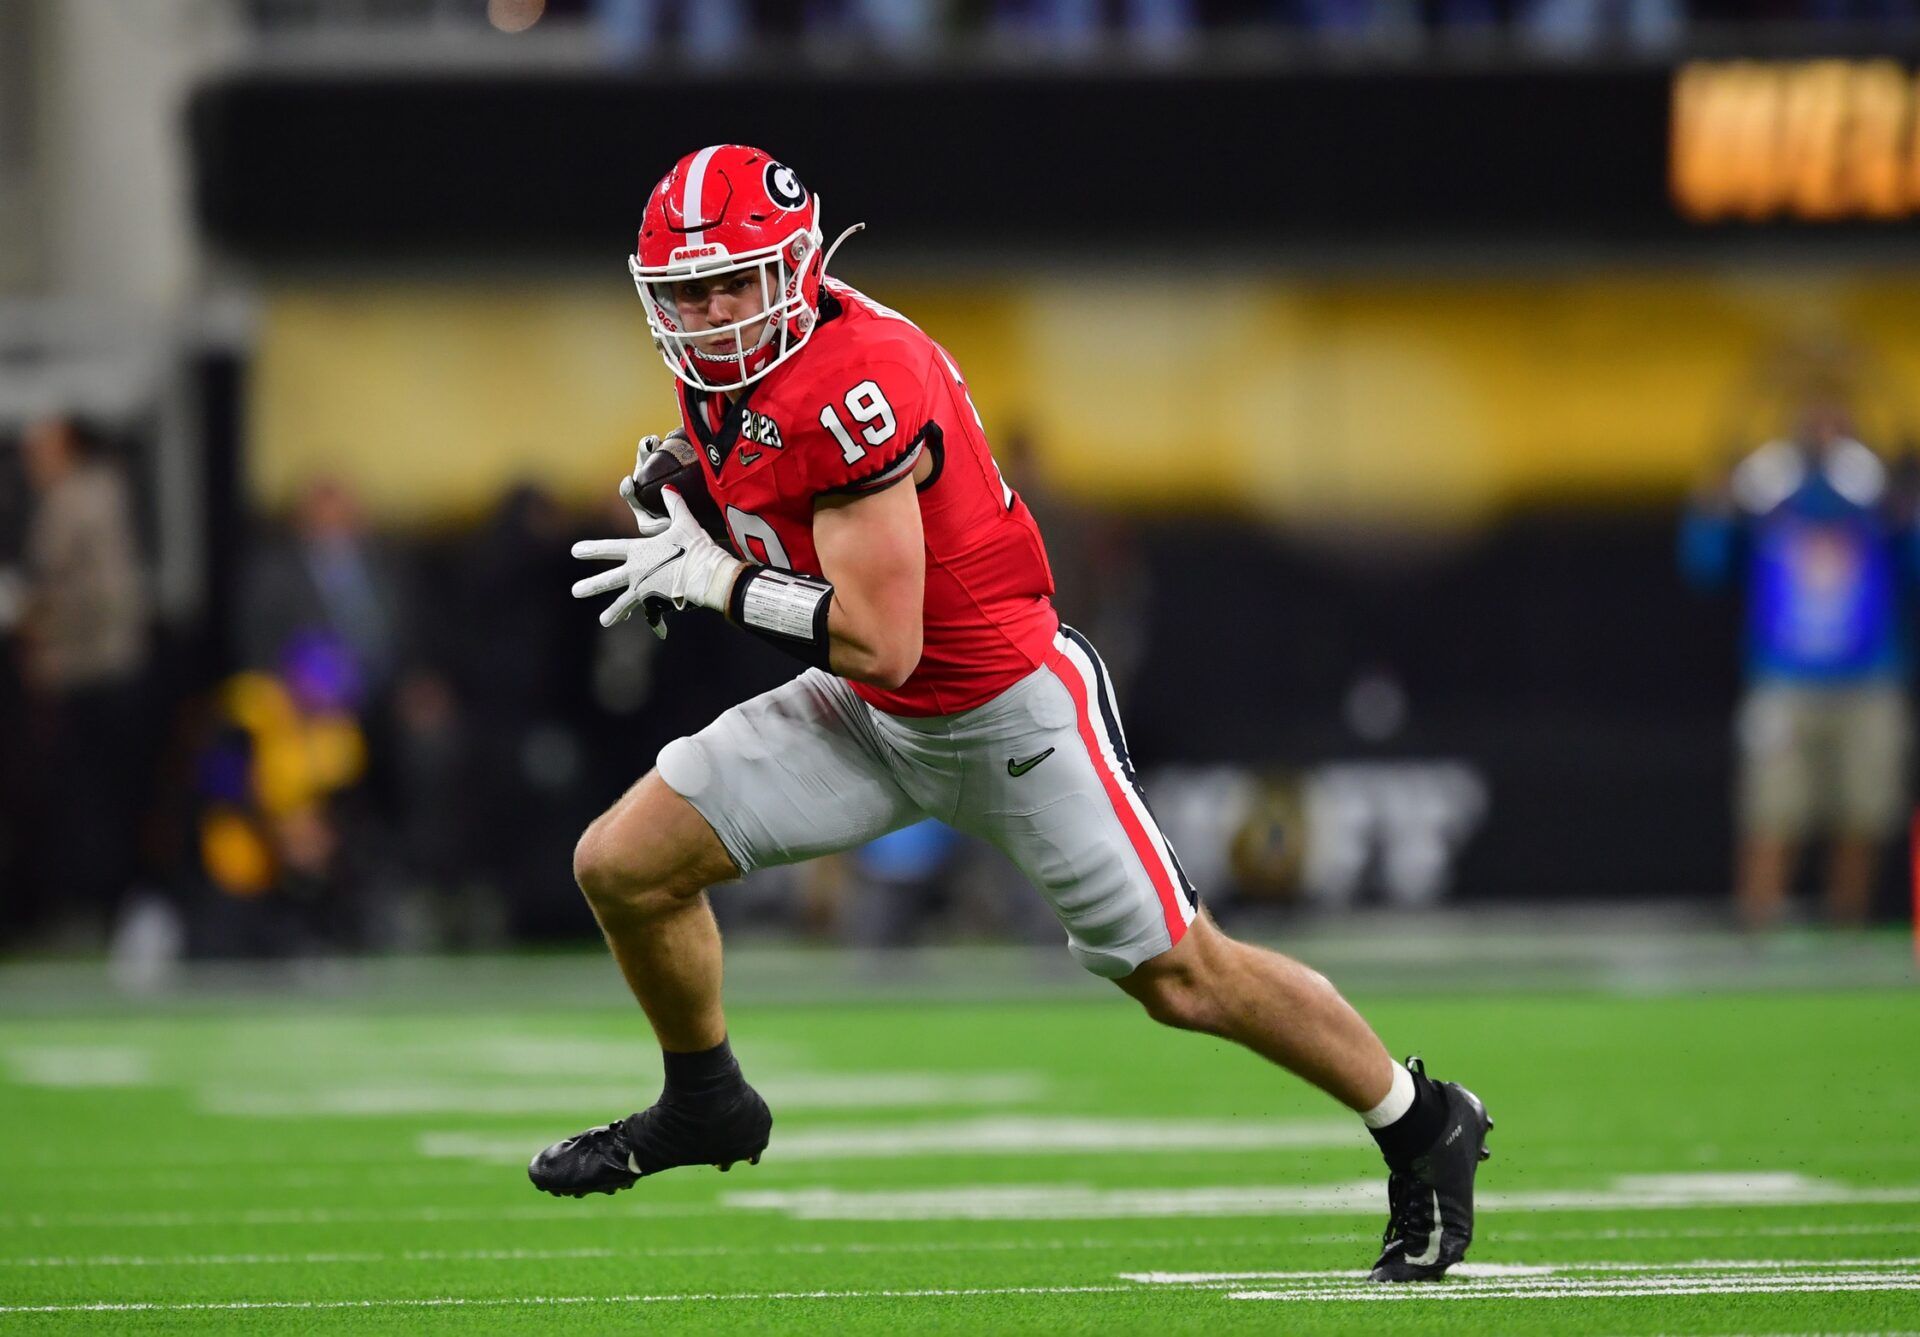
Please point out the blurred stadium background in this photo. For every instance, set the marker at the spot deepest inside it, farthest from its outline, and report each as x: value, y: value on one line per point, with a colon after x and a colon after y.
x: 1357, y: 355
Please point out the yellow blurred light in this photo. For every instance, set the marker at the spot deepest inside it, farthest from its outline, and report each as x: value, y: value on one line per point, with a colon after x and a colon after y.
x: 1813, y: 140
x: 515, y: 15
x: 234, y: 855
x: 336, y: 752
x: 258, y: 703
x: 1438, y: 399
x: 297, y: 758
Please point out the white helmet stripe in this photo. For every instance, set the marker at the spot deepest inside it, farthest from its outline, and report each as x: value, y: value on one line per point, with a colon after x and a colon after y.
x: 696, y: 186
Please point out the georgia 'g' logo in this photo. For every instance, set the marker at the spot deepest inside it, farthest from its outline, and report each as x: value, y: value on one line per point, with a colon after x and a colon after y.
x: 783, y: 187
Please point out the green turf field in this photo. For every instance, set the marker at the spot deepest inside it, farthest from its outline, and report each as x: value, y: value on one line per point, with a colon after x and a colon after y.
x: 1697, y: 1164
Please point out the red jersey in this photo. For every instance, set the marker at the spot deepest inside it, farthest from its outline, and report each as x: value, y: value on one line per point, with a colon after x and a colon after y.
x: 854, y: 411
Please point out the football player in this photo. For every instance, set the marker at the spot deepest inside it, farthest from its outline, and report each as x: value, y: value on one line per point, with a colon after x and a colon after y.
x: 869, y: 533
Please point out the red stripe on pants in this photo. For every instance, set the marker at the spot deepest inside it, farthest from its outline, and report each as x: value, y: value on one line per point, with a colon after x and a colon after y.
x: 1064, y: 669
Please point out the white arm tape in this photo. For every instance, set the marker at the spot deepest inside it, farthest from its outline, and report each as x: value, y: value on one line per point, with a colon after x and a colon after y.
x: 780, y: 603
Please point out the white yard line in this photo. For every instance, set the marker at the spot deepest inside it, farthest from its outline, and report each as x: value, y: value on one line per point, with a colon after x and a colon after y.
x: 989, y: 1136
x: 79, y: 1065
x: 257, y: 1181
x: 1059, y: 1202
x: 852, y: 1248
x: 1834, y: 1230
x: 1500, y: 1271
x: 540, y: 1301
x: 1596, y: 1290
x: 795, y: 1091
x: 327, y: 1216
x: 1275, y: 1241
x: 1309, y: 1291
x: 104, y: 1260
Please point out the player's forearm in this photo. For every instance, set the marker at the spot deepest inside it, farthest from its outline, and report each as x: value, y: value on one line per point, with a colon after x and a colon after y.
x: 826, y: 627
x: 867, y: 647
x: 868, y: 639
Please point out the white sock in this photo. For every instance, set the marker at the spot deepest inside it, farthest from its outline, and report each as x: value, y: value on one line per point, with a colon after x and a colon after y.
x: 1399, y: 1100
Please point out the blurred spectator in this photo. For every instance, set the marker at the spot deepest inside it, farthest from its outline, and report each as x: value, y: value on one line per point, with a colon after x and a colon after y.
x: 85, y: 653
x: 272, y: 834
x: 716, y: 31
x: 1578, y: 28
x: 1074, y: 27
x: 1810, y: 528
x: 899, y: 28
x: 899, y: 883
x: 1357, y: 18
x: 326, y: 573
x: 323, y: 609
x: 710, y: 31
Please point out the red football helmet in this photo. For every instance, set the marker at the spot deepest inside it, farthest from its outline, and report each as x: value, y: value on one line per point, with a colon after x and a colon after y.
x: 723, y: 210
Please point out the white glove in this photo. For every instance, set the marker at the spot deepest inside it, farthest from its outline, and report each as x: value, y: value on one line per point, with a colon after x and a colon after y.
x: 630, y: 484
x: 649, y: 524
x: 673, y: 561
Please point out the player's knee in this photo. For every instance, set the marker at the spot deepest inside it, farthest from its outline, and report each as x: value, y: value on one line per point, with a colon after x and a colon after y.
x: 617, y: 878
x: 1179, y: 997
x: 595, y: 871
x: 1190, y: 985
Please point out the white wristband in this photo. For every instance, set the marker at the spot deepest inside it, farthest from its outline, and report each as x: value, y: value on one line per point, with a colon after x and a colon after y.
x: 788, y: 610
x: 711, y: 571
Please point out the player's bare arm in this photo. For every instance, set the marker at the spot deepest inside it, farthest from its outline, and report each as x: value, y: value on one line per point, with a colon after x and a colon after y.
x: 874, y: 555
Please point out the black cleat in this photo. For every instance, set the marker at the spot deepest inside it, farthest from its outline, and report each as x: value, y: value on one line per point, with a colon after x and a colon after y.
x: 615, y: 1155
x: 1430, y: 1199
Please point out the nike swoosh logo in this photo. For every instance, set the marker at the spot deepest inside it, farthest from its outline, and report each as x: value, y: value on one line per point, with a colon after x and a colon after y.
x: 746, y: 457
x: 663, y: 565
x: 634, y: 1165
x: 1019, y: 768
x: 1431, y: 1254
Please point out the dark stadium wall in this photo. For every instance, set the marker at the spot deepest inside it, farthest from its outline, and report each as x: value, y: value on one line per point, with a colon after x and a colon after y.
x: 1556, y: 656
x: 1169, y: 166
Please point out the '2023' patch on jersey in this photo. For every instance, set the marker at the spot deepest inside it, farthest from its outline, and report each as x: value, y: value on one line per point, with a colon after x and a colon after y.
x: 759, y: 430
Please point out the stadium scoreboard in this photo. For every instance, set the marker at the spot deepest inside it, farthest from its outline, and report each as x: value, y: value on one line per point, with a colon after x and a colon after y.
x: 1809, y: 140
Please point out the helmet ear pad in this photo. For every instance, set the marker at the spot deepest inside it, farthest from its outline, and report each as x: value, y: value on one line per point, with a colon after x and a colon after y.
x: 806, y: 262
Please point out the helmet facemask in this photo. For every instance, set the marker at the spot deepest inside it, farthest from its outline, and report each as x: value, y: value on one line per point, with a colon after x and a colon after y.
x: 740, y: 353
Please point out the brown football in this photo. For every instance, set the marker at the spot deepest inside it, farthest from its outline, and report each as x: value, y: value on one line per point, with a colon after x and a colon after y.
x: 677, y: 463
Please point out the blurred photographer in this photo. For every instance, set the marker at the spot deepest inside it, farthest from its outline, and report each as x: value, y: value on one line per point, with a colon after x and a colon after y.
x: 85, y: 653
x: 1811, y: 530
